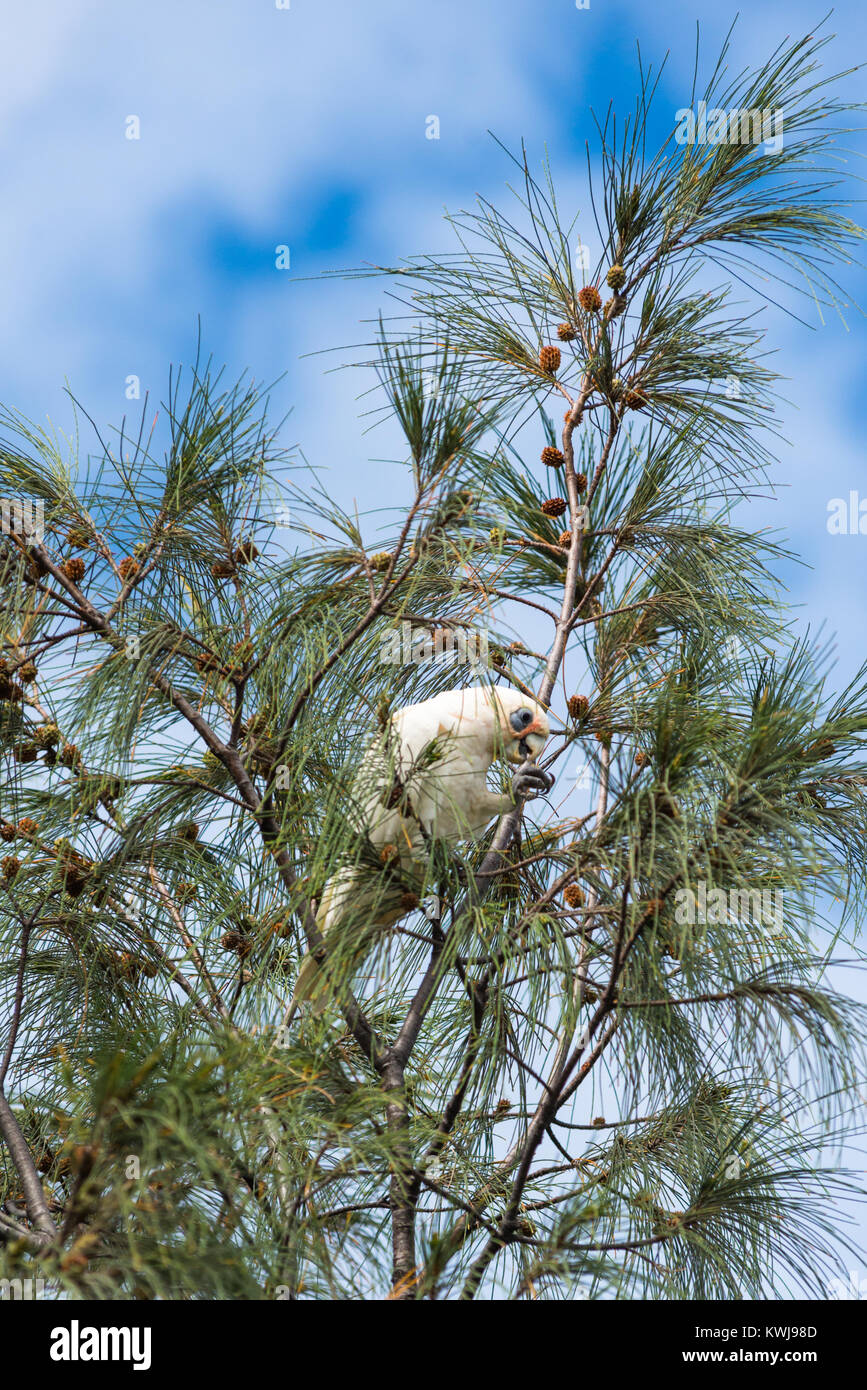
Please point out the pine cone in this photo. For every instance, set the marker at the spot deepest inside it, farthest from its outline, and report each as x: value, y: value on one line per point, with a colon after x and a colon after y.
x: 27, y: 827
x: 69, y: 755
x: 549, y: 359
x: 573, y: 895
x: 46, y: 735
x: 74, y: 569
x: 565, y: 332
x: 74, y: 881
x: 26, y: 752
x: 10, y: 867
x: 387, y: 853
x: 7, y: 832
x: 128, y: 966
x: 246, y: 553
x: 380, y: 561
x: 635, y: 400
x: 590, y: 299
x: 555, y: 506
x: 27, y: 672
x: 188, y: 832
x: 78, y: 537
x: 578, y: 706
x: 128, y: 568
x: 564, y: 540
x: 616, y: 277
x: 551, y: 457
x: 581, y: 482
x: 222, y: 569
x: 408, y: 901
x: 642, y: 758
x: 238, y: 942
x: 599, y: 1122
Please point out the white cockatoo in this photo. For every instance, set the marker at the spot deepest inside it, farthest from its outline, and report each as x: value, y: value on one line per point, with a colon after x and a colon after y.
x: 424, y: 780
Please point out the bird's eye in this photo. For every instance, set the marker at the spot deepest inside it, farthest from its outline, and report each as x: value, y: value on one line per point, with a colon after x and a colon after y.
x: 520, y: 719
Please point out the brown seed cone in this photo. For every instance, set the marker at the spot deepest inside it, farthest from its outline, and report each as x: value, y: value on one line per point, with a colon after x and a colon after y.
x: 236, y: 941
x: 10, y: 867
x: 28, y: 827
x: 246, y: 553
x: 189, y: 832
x: 551, y: 457
x: 78, y: 537
x: 128, y: 966
x: 564, y: 540
x: 387, y: 853
x: 581, y: 482
x: 128, y: 568
x: 565, y: 332
x: 599, y: 1122
x: 578, y: 706
x: 26, y: 752
x: 574, y: 895
x: 590, y: 299
x: 222, y: 569
x: 408, y: 901
x: 642, y: 758
x: 74, y: 882
x: 46, y: 735
x: 7, y: 832
x: 69, y: 755
x: 635, y: 400
x: 74, y: 569
x: 616, y: 277
x: 27, y: 672
x: 653, y: 906
x: 555, y: 506
x: 549, y: 359
x: 380, y: 561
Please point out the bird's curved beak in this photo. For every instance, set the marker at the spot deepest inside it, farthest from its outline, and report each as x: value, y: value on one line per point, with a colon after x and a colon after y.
x: 528, y: 744
x: 532, y: 744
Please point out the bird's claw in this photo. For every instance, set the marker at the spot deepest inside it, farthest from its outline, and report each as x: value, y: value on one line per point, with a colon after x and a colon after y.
x: 530, y: 781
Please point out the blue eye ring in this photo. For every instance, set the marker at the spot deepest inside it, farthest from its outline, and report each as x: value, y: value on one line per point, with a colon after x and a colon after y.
x: 520, y: 719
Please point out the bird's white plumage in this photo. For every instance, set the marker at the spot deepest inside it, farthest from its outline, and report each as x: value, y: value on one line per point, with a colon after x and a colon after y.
x: 425, y: 779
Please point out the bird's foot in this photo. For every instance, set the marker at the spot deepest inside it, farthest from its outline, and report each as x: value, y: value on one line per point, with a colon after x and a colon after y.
x: 530, y: 781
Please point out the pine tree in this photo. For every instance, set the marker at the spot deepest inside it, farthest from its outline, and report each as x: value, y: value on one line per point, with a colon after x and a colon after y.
x: 186, y: 692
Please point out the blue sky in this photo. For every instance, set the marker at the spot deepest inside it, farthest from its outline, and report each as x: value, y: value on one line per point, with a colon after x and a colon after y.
x: 305, y: 127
